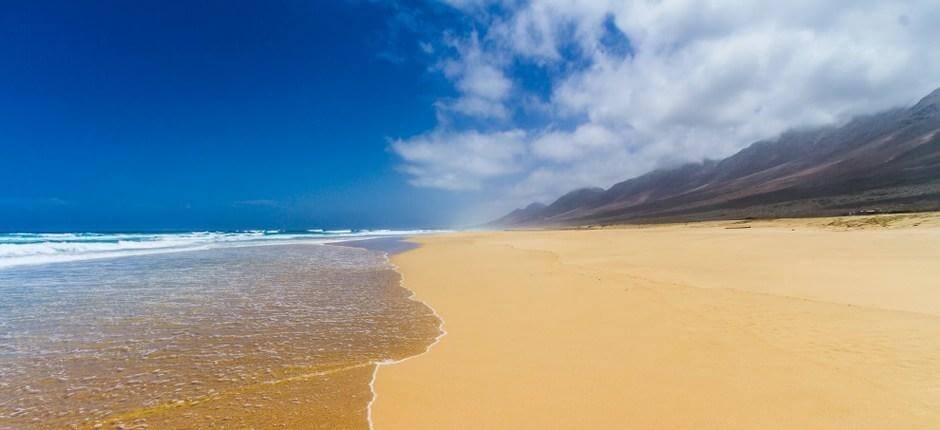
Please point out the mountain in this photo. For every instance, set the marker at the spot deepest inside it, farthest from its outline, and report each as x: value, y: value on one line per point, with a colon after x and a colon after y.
x: 521, y: 216
x: 888, y: 162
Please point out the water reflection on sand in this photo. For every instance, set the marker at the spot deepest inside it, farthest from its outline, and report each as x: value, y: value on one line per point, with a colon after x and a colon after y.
x: 254, y: 337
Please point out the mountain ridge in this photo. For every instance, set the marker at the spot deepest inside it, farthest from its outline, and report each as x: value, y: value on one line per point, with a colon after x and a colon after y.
x: 884, y: 162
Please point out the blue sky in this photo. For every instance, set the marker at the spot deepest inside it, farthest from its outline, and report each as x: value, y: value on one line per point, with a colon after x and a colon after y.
x: 210, y: 115
x: 296, y: 114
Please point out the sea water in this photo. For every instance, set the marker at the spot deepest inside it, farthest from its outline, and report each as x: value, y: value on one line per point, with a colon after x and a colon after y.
x: 198, y: 330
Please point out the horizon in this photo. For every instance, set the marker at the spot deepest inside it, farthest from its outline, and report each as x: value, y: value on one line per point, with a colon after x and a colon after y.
x: 172, y: 117
x: 441, y: 214
x: 312, y: 230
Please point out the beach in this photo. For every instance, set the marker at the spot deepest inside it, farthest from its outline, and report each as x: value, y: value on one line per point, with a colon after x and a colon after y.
x: 816, y: 323
x: 245, y: 334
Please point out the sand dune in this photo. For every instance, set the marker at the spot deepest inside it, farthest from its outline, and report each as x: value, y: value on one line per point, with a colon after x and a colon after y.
x: 826, y: 323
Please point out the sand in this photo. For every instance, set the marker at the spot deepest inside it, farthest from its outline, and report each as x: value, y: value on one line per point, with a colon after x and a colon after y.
x: 796, y: 324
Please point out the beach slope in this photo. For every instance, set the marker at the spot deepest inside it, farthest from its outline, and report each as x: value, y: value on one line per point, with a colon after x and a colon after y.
x: 824, y: 323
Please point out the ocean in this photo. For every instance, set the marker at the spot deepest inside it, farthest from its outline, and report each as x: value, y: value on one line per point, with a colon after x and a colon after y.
x: 259, y: 329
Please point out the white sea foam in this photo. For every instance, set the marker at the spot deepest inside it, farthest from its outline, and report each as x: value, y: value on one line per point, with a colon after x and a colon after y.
x: 441, y: 332
x: 17, y: 249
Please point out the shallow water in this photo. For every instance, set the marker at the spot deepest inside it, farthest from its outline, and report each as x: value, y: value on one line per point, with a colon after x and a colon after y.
x: 278, y: 336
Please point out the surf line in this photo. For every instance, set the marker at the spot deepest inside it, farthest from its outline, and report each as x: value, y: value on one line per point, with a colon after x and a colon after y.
x: 441, y: 333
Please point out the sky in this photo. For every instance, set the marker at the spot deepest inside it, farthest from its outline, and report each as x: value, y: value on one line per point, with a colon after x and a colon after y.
x: 154, y: 115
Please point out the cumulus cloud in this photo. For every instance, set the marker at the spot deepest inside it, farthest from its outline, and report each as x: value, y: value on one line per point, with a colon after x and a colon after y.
x: 584, y: 142
x: 460, y: 160
x: 691, y: 80
x: 480, y: 80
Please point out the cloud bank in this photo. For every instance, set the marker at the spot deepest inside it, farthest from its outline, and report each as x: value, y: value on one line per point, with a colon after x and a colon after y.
x: 556, y: 94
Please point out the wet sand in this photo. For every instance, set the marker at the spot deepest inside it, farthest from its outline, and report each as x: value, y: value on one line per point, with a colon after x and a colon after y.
x: 269, y: 337
x: 823, y: 323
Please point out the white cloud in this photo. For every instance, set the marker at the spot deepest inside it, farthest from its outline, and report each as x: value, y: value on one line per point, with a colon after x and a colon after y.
x: 480, y: 80
x: 584, y: 142
x: 703, y: 79
x: 460, y: 161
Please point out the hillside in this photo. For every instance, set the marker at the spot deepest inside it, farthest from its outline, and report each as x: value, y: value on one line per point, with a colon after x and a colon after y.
x: 888, y: 162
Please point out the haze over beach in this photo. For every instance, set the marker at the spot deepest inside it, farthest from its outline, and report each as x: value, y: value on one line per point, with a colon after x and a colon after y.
x: 445, y: 214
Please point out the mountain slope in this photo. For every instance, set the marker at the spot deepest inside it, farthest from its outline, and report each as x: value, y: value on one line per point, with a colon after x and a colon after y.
x: 521, y: 216
x: 885, y: 162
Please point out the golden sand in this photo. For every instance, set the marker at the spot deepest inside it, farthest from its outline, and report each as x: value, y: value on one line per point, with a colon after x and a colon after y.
x: 797, y: 324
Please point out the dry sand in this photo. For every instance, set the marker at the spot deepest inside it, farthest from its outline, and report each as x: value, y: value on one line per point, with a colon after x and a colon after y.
x: 796, y: 324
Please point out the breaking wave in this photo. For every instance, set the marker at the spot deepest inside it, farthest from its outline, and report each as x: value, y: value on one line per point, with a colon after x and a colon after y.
x: 17, y: 249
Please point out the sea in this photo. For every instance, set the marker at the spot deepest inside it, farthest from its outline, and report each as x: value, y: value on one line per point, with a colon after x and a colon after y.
x: 193, y: 330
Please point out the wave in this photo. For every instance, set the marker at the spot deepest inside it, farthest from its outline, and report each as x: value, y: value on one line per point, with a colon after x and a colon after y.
x: 18, y: 249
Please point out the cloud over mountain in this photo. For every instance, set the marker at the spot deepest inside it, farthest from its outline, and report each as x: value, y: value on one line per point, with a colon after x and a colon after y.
x: 553, y: 94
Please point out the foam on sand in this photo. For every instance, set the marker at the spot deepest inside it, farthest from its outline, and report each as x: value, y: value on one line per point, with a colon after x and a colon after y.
x: 441, y: 333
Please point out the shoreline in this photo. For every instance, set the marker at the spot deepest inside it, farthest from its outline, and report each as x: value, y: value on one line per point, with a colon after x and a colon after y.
x: 389, y: 362
x: 389, y: 247
x: 807, y: 323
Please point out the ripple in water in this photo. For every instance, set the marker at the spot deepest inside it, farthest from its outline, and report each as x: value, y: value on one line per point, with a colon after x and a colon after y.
x: 255, y: 337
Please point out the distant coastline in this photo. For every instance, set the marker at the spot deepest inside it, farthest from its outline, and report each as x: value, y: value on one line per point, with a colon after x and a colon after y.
x: 389, y: 245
